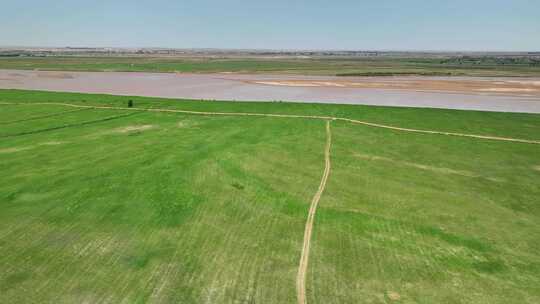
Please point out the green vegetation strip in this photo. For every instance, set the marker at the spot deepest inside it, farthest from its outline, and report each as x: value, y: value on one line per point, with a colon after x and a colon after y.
x: 78, y: 124
x: 41, y: 116
x: 347, y: 66
x: 294, y: 116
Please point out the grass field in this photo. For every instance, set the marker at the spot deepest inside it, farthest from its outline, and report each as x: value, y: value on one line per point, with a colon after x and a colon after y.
x: 116, y: 205
x: 314, y: 66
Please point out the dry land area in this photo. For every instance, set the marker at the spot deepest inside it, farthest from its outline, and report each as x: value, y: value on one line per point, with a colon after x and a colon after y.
x: 182, y: 201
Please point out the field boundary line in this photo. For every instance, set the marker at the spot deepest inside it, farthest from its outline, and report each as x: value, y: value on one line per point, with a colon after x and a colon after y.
x: 354, y: 121
x: 304, y: 258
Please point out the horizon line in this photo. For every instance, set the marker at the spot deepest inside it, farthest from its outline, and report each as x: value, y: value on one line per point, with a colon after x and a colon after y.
x: 269, y: 49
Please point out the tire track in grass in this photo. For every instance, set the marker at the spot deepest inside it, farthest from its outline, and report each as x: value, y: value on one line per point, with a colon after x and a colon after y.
x: 42, y: 116
x: 304, y: 258
x: 354, y: 121
x: 84, y: 123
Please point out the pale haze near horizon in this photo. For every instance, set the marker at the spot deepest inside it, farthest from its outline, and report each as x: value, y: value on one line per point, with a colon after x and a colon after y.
x: 367, y: 25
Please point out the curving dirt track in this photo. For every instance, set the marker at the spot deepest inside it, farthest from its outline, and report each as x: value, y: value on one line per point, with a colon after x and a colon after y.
x: 304, y: 258
x: 354, y: 121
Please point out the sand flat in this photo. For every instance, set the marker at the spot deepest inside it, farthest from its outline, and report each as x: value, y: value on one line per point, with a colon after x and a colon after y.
x: 488, y: 94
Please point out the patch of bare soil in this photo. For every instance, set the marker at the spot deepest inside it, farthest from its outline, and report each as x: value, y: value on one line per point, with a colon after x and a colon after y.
x: 187, y: 124
x: 121, y: 130
x: 31, y: 197
x: 394, y: 296
x: 52, y: 143
x: 14, y: 149
x: 129, y: 129
x: 18, y: 149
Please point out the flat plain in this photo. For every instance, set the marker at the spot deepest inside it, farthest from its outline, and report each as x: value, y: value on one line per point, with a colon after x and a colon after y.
x: 121, y: 204
x: 488, y: 66
x: 502, y: 94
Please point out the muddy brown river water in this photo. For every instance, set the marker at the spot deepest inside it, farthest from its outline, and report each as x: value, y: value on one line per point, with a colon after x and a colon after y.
x: 489, y: 94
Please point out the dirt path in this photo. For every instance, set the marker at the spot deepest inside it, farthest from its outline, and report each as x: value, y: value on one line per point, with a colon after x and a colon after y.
x: 441, y: 132
x: 304, y: 258
x: 487, y: 137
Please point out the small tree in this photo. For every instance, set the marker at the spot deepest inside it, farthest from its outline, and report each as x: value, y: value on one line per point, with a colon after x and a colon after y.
x: 130, y: 103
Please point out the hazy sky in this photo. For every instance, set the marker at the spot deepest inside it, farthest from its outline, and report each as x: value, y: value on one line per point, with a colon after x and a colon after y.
x: 277, y: 24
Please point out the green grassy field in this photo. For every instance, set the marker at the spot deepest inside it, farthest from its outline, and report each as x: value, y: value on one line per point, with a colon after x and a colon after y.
x: 314, y: 66
x: 103, y: 205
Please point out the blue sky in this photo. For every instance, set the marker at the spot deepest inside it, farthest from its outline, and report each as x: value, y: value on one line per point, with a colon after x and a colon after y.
x: 510, y: 25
